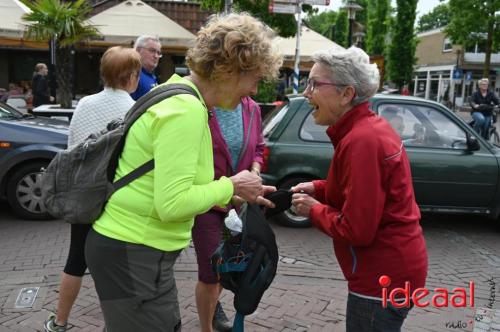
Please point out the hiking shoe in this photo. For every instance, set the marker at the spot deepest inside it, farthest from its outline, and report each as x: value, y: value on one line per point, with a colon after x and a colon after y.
x: 220, y: 322
x: 51, y: 326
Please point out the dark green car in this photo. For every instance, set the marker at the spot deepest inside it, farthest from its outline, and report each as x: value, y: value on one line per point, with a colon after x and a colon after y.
x: 454, y: 170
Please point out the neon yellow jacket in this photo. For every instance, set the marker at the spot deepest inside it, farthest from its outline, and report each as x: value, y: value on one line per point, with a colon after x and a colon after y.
x: 158, y: 208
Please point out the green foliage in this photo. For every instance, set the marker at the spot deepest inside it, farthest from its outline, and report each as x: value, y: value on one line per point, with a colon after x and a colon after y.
x: 322, y: 23
x: 266, y: 92
x: 285, y: 25
x: 341, y: 29
x: 362, y: 15
x: 471, y: 21
x: 402, y: 48
x: 66, y: 22
x: 378, y: 26
x: 439, y: 17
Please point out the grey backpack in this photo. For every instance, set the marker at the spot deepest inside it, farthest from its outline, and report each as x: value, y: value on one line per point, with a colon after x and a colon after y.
x: 79, y: 181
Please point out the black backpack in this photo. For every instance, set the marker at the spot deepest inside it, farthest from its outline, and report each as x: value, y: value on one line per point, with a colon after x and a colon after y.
x: 79, y: 181
x: 246, y: 263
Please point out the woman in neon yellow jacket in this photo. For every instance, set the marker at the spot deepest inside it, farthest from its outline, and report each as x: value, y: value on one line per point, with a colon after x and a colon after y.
x: 133, y: 245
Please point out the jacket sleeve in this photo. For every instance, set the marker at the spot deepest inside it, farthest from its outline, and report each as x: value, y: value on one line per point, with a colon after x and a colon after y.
x: 319, y: 190
x: 179, y: 137
x: 357, y: 220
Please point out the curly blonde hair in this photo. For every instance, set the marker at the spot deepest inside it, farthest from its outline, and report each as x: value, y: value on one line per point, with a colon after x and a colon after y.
x: 234, y: 44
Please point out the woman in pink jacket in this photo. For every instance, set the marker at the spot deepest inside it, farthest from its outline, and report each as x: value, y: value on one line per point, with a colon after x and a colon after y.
x: 238, y: 145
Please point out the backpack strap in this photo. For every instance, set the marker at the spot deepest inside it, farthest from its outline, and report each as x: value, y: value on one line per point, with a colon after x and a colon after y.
x: 140, y: 107
x: 239, y: 322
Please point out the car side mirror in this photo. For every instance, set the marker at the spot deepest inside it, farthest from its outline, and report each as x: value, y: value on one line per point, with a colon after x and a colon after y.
x: 472, y: 143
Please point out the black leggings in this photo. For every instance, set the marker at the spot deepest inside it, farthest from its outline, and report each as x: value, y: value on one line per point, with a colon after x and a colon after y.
x: 75, y: 264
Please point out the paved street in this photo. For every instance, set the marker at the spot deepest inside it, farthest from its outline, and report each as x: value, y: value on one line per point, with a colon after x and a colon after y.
x: 308, y: 294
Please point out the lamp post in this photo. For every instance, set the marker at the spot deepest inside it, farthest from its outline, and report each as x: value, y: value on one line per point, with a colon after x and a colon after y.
x: 351, y: 7
x: 358, y: 38
x: 455, y: 80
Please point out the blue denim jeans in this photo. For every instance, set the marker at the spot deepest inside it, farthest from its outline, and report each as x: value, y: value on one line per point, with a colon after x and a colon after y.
x: 366, y: 315
x: 482, y: 124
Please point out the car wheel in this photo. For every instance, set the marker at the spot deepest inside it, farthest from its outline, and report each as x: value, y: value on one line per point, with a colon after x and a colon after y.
x: 24, y: 192
x: 289, y: 218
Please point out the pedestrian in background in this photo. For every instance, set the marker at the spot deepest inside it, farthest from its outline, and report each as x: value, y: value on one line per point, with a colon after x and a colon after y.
x: 132, y: 247
x: 149, y: 48
x: 366, y: 204
x: 40, y: 86
x: 238, y: 145
x: 482, y: 102
x: 120, y: 68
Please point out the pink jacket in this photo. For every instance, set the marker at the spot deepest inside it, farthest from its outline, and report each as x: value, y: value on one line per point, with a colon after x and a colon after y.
x: 253, y: 141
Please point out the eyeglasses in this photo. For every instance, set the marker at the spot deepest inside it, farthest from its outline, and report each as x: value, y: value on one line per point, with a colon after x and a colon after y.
x: 312, y: 84
x: 154, y: 51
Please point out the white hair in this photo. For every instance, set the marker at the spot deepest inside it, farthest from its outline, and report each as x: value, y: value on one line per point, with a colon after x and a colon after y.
x: 484, y: 80
x: 142, y: 40
x: 351, y: 67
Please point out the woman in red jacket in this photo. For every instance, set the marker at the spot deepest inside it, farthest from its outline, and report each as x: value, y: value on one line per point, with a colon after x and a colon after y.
x: 366, y: 204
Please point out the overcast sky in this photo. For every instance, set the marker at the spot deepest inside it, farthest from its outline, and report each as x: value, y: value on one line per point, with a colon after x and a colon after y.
x: 423, y: 6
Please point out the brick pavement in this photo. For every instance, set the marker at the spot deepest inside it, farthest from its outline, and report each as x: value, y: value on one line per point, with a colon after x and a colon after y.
x: 308, y: 294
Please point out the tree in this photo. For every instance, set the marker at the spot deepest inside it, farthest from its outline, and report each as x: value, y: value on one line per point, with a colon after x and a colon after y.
x: 439, y: 17
x: 473, y: 21
x: 403, y: 44
x: 322, y: 23
x: 66, y: 23
x: 284, y: 24
x: 378, y: 26
x: 341, y: 29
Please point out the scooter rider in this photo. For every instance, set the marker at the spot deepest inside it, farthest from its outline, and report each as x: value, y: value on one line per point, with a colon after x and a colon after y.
x: 482, y: 102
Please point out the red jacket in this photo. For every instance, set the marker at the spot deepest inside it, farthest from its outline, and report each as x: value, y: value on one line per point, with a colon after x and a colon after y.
x: 368, y: 205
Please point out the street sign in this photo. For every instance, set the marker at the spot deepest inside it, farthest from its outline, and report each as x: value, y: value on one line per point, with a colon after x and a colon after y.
x: 281, y: 8
x: 468, y: 76
x: 307, y: 2
x: 317, y: 2
x: 458, y: 74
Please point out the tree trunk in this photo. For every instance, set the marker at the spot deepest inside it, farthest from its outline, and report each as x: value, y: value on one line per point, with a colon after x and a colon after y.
x: 489, y: 46
x: 64, y: 77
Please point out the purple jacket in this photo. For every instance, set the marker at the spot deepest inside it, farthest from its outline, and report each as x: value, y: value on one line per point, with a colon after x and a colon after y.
x: 253, y: 142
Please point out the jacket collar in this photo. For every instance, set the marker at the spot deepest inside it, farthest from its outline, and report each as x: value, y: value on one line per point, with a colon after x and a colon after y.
x: 338, y: 130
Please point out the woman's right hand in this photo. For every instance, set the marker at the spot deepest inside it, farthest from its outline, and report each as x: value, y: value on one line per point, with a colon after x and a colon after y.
x: 304, y: 187
x: 247, y: 185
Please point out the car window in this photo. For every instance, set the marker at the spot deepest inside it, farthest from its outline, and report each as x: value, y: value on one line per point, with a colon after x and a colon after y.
x: 272, y: 120
x: 423, y: 126
x: 310, y: 131
x: 6, y: 113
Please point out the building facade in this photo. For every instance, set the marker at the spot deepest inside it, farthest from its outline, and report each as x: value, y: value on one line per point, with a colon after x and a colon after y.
x: 448, y: 73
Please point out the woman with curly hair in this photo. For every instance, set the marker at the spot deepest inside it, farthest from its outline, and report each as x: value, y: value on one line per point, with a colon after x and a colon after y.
x: 134, y: 244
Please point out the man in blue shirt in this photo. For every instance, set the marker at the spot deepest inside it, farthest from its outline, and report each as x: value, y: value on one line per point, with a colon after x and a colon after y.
x: 149, y: 48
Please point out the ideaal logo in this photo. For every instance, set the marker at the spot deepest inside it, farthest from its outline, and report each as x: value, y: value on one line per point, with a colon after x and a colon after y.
x: 441, y: 297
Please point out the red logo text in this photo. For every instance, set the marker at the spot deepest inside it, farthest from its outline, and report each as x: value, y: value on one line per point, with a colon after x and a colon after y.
x: 441, y: 297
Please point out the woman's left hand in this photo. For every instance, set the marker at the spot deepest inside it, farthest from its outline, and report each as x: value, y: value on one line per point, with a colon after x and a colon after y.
x: 260, y: 200
x: 265, y: 202
x: 303, y: 204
